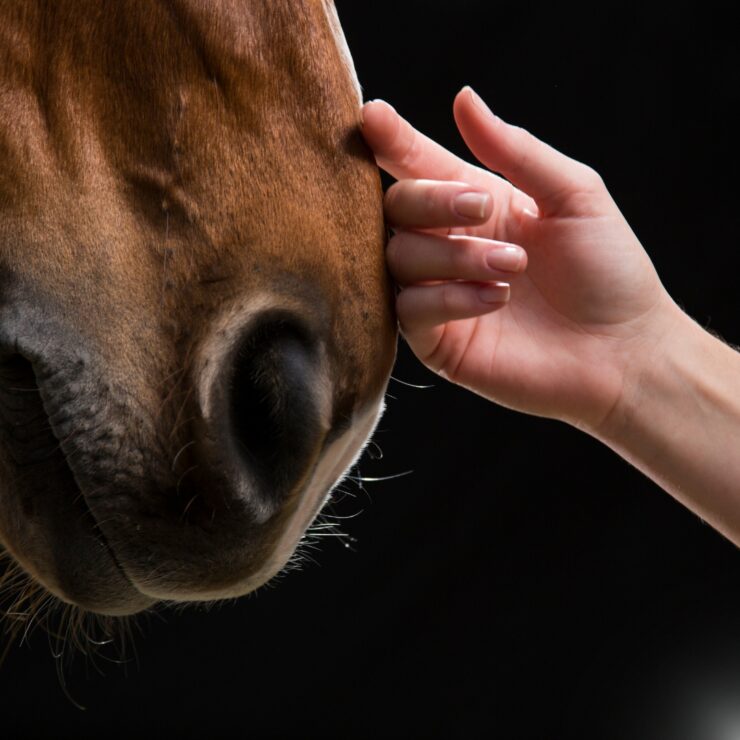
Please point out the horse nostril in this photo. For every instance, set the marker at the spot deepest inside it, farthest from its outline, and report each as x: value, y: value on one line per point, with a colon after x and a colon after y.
x: 275, y: 403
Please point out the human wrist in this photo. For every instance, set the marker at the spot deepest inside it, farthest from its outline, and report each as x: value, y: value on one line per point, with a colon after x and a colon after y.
x: 679, y: 420
x: 655, y: 367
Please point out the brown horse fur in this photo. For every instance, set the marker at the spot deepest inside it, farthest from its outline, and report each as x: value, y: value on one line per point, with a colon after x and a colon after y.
x: 175, y: 176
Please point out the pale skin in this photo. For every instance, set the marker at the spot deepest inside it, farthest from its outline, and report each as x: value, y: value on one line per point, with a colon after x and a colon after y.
x: 532, y: 291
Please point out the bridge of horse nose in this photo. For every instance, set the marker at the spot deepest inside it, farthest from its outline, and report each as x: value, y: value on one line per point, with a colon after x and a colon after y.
x: 275, y: 404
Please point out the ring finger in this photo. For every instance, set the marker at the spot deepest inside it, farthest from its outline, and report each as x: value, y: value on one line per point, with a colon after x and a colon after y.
x: 415, y: 257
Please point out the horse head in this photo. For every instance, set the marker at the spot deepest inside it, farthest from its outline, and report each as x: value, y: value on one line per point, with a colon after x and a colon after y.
x: 196, y: 325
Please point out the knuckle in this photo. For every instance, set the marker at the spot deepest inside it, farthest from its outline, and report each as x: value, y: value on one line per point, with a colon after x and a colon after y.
x: 520, y: 133
x: 460, y: 258
x: 522, y: 162
x: 432, y: 198
x: 589, y: 179
x: 448, y: 296
x: 525, y: 144
x: 409, y: 152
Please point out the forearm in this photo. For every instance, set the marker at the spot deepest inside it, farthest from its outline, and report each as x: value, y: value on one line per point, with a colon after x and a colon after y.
x: 679, y: 423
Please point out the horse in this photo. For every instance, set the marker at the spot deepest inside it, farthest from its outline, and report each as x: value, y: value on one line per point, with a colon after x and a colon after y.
x: 196, y: 323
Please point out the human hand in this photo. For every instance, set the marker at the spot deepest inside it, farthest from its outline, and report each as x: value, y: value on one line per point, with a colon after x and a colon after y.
x: 557, y: 339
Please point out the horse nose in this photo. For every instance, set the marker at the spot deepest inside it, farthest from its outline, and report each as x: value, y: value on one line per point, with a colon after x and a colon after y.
x: 276, y: 398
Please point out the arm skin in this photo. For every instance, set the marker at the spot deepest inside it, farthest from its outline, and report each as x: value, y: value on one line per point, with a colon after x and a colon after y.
x: 531, y: 290
x: 678, y: 421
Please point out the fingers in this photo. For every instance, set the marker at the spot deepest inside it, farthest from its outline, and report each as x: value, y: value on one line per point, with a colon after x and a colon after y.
x: 542, y: 172
x: 427, y: 204
x: 421, y: 308
x: 424, y: 313
x: 414, y: 257
x: 404, y: 152
x: 475, y: 275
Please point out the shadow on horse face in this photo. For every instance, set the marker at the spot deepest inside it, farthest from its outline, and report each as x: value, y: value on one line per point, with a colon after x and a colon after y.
x: 195, y: 320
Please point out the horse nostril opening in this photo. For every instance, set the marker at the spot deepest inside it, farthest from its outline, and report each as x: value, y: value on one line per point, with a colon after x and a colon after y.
x: 24, y: 424
x: 17, y: 374
x: 274, y: 403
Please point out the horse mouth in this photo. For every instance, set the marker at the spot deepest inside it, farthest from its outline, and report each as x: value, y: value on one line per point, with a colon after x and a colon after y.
x: 80, y: 567
x: 113, y: 533
x: 113, y: 507
x: 112, y: 524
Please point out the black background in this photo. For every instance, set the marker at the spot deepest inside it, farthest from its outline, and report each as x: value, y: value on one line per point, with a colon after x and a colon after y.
x: 523, y: 582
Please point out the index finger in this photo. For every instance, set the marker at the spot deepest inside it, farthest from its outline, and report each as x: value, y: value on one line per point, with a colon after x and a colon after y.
x: 406, y: 153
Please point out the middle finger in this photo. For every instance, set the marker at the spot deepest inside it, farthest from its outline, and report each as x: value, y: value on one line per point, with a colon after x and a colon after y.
x: 431, y: 204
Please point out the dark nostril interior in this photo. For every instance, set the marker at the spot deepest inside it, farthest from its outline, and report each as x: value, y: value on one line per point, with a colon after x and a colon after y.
x: 16, y: 373
x: 274, y: 402
x: 24, y: 425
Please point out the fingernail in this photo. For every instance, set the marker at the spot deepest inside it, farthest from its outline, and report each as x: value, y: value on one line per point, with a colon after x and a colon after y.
x: 472, y: 205
x: 505, y: 258
x: 496, y: 293
x: 480, y: 104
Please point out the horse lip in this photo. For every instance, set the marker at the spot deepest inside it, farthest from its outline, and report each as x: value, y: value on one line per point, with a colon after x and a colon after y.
x: 82, y: 500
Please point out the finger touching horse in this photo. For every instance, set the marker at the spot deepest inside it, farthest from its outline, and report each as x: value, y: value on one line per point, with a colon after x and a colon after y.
x: 196, y: 328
